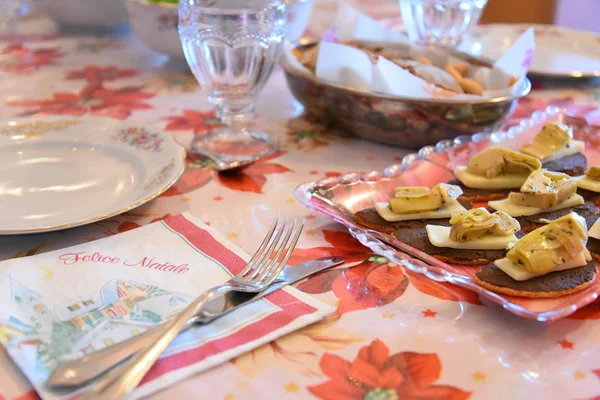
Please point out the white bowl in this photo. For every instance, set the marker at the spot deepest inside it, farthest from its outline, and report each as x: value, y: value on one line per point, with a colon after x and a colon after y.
x: 298, y: 17
x: 98, y: 14
x: 156, y: 26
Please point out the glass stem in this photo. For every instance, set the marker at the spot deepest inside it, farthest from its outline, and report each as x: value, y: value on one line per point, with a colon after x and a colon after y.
x: 235, y: 118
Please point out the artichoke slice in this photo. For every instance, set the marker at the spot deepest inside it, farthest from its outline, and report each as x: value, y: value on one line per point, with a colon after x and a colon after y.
x: 552, y: 245
x: 409, y: 200
x: 412, y: 191
x: 593, y: 173
x: 500, y: 161
x: 553, y: 136
x: 478, y: 222
x: 544, y: 189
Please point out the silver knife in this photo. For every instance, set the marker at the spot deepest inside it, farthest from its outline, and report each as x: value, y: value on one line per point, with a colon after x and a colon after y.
x: 81, y: 371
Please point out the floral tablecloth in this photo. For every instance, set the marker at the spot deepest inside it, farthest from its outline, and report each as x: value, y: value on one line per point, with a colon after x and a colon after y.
x: 395, y: 335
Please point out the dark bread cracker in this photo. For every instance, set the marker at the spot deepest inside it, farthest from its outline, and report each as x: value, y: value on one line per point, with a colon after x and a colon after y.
x: 370, y: 218
x: 480, y: 195
x: 593, y: 246
x: 572, y: 165
x: 418, y: 239
x: 590, y: 196
x: 554, y: 284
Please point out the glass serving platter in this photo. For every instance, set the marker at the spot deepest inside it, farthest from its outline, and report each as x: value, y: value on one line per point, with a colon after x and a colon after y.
x: 341, y: 197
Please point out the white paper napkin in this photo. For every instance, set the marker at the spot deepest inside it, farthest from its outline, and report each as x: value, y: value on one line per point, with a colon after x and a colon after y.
x: 64, y: 304
x: 351, y: 67
x: 350, y: 25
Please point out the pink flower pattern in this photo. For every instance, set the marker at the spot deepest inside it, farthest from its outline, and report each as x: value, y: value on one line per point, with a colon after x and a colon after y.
x: 528, y: 58
x: 140, y: 138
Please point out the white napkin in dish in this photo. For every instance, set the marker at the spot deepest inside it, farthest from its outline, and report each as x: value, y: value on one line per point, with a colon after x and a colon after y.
x: 350, y: 25
x: 346, y: 65
x: 517, y: 59
x: 350, y: 66
x: 64, y: 304
x: 390, y: 78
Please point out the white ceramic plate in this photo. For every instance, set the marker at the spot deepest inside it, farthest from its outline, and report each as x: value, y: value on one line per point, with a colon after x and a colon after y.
x: 559, y: 52
x: 57, y: 173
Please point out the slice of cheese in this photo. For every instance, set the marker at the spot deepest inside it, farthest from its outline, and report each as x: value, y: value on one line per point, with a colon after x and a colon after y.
x: 439, y: 236
x: 446, y: 211
x: 586, y: 183
x: 519, y: 274
x: 595, y: 230
x: 515, y: 210
x: 577, y: 146
x: 509, y: 181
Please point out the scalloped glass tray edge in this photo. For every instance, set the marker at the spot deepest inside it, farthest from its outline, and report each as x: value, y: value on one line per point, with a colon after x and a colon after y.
x: 338, y: 198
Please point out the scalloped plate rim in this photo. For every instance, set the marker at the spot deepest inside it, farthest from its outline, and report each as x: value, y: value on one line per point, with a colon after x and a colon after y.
x: 167, y: 176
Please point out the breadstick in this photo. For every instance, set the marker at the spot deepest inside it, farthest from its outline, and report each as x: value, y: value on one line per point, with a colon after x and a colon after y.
x: 460, y: 68
x: 452, y: 71
x: 471, y: 86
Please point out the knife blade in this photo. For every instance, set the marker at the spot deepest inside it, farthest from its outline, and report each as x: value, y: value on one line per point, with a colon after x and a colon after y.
x: 232, y: 300
x: 78, y: 372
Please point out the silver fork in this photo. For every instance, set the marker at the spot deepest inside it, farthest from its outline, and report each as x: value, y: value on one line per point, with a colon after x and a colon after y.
x: 261, y: 270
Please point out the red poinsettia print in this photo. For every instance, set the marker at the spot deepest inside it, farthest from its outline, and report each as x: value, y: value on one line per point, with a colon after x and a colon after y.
x: 197, y: 174
x: 252, y: 179
x: 375, y: 374
x: 18, y: 59
x: 129, y: 225
x: 374, y: 282
x: 26, y: 253
x: 116, y: 225
x: 442, y: 290
x: 93, y: 99
x: 198, y: 121
x: 92, y: 73
x: 30, y: 395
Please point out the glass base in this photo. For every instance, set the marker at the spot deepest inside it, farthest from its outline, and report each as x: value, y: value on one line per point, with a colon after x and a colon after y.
x: 227, y: 146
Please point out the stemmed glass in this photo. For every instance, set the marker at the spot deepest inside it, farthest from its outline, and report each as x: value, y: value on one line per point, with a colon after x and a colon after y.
x: 441, y: 22
x: 231, y: 47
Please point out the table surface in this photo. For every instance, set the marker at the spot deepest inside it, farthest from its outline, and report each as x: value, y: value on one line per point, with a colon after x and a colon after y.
x: 424, y: 340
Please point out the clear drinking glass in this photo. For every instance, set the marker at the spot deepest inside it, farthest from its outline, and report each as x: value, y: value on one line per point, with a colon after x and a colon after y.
x: 231, y: 47
x: 442, y: 22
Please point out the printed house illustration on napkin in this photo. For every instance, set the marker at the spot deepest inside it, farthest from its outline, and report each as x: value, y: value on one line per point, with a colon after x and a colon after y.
x: 120, y: 310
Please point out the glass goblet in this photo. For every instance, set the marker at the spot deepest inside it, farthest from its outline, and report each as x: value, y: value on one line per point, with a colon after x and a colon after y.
x: 441, y: 22
x: 232, y: 47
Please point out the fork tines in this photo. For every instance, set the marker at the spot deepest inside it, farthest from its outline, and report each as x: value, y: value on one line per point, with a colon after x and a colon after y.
x: 271, y: 257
